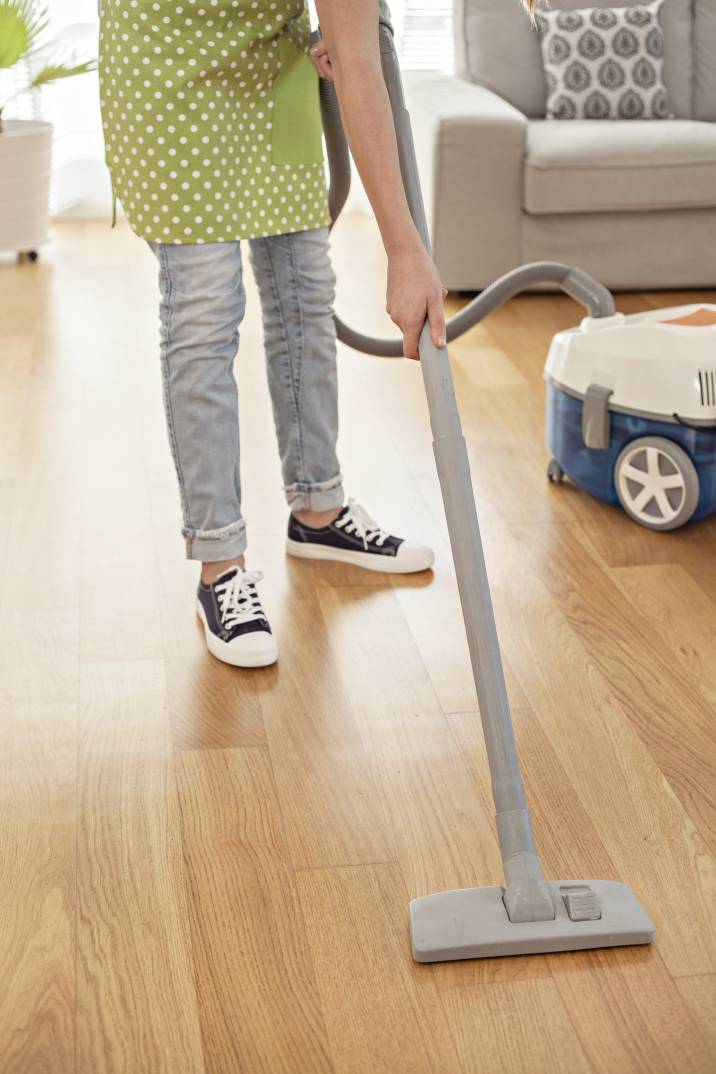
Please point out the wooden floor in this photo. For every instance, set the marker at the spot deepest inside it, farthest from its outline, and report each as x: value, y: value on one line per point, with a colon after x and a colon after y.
x: 207, y: 871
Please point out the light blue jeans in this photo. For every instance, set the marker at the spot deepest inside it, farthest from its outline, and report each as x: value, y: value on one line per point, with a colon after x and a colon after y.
x: 202, y: 305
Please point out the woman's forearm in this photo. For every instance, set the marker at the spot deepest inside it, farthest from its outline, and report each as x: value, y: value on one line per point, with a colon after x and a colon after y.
x: 350, y: 31
x: 352, y: 60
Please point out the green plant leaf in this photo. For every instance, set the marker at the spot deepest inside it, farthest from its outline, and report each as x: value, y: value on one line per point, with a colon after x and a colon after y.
x: 53, y: 72
x: 13, y: 38
x: 22, y: 24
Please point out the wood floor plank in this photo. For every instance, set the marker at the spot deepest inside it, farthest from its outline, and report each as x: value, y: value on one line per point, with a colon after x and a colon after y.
x: 505, y: 428
x: 15, y: 385
x: 136, y: 998
x: 7, y: 492
x: 629, y: 1014
x: 433, y: 613
x: 438, y: 831
x: 646, y: 832
x: 522, y: 1027
x: 379, y: 469
x: 258, y: 1000
x: 379, y: 1018
x: 325, y: 784
x: 520, y: 494
x: 441, y: 829
x: 119, y: 598
x: 524, y: 330
x: 619, y: 542
x: 45, y: 521
x: 568, y: 841
x: 483, y: 364
x: 571, y: 848
x: 700, y: 565
x: 25, y: 289
x: 669, y: 597
x: 38, y: 751
x: 666, y: 299
x: 699, y: 995
x: 663, y: 701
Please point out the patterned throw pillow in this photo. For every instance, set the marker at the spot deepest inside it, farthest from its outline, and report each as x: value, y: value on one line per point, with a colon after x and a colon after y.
x: 604, y: 63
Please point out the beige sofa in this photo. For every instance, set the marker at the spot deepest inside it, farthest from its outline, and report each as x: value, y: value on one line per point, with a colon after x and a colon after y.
x: 633, y: 202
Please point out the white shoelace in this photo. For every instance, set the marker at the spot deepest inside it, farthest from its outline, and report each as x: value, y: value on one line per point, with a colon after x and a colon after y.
x: 238, y: 600
x: 357, y: 520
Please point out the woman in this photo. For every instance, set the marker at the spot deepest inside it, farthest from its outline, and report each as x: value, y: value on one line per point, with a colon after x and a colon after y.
x: 213, y: 135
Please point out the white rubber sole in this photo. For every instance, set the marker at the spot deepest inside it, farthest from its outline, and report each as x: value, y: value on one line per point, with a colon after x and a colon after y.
x: 409, y: 561
x: 255, y: 650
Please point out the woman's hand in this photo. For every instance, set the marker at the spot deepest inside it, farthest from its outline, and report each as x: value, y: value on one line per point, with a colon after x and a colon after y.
x: 415, y: 292
x: 320, y: 60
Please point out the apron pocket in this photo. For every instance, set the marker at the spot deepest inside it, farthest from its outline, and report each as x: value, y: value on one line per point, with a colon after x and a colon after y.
x: 296, y: 125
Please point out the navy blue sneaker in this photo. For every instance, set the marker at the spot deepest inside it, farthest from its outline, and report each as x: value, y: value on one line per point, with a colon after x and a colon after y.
x: 355, y: 538
x: 235, y: 625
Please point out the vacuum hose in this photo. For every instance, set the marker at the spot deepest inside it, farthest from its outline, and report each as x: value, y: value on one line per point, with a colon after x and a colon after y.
x: 573, y: 281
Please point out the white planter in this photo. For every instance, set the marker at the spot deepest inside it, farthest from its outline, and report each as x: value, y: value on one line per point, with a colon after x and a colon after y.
x: 25, y: 154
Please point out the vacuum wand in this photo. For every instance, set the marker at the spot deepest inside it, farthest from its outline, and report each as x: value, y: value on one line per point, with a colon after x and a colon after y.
x: 526, y: 897
x: 528, y: 914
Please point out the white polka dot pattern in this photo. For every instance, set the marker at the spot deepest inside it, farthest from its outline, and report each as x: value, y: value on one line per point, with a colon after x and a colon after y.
x: 187, y: 100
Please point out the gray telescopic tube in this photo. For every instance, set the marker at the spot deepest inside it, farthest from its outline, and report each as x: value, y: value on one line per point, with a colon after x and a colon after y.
x: 580, y: 285
x: 526, y: 896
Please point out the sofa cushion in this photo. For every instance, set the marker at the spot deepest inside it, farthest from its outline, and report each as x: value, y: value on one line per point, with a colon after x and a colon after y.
x: 497, y: 47
x: 604, y: 63
x: 591, y: 166
x: 705, y: 60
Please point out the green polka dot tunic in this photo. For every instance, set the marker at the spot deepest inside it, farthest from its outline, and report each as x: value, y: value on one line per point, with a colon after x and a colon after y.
x: 211, y: 118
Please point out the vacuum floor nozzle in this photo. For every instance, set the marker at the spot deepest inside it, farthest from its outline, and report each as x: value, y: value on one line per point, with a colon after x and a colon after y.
x: 473, y: 922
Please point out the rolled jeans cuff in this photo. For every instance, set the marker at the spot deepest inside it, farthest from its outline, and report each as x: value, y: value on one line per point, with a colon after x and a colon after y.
x: 322, y: 496
x: 212, y: 546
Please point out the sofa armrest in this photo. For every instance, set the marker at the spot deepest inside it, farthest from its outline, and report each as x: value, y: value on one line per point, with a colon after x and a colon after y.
x: 470, y: 145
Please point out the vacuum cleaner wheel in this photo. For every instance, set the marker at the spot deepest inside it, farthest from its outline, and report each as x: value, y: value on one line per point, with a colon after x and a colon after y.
x: 657, y: 483
x: 555, y: 473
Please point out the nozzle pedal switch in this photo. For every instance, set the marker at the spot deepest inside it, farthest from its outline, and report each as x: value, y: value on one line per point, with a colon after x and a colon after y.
x: 581, y: 902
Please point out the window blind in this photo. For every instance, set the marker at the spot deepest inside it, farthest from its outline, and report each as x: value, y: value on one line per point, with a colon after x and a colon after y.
x: 425, y: 34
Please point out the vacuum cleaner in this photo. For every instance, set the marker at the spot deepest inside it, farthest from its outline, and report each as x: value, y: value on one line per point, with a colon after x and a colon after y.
x: 527, y: 914
x: 631, y: 412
